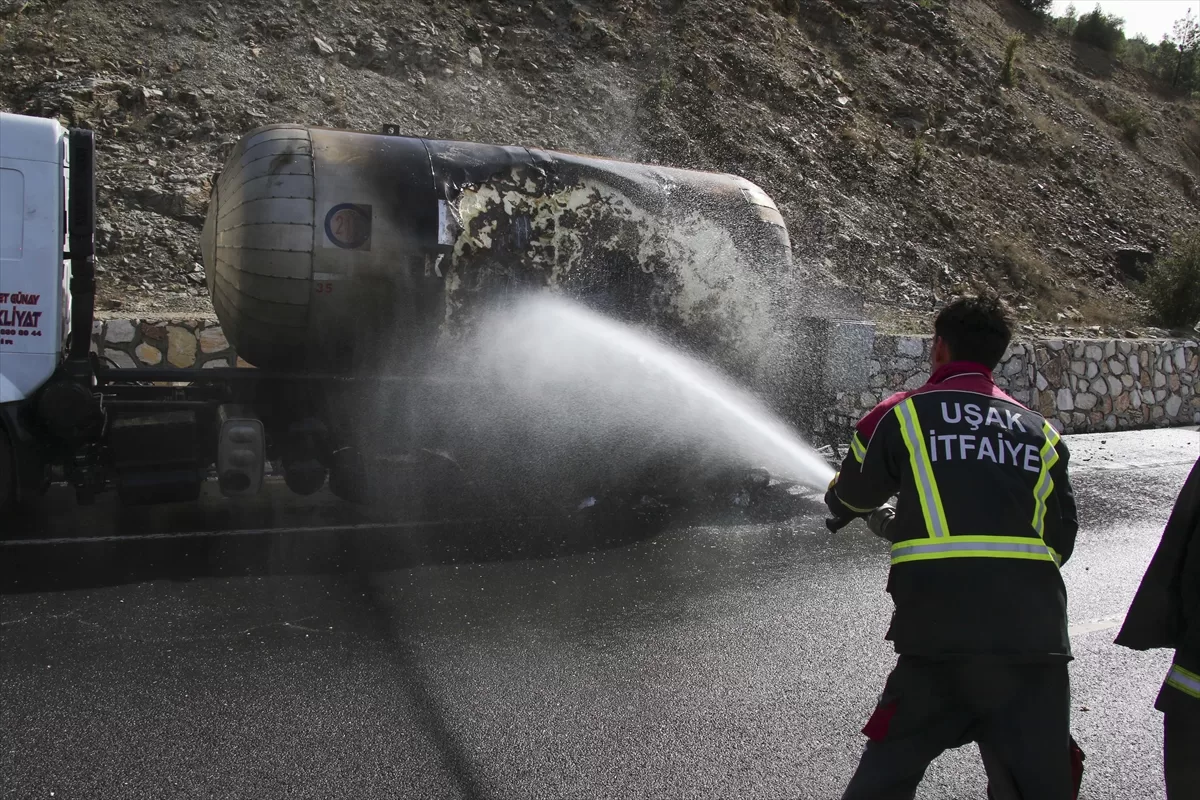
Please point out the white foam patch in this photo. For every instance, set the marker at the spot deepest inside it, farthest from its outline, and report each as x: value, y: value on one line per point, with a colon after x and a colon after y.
x: 1094, y: 625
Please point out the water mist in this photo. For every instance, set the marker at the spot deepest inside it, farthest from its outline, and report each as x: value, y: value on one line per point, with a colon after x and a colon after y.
x: 561, y: 388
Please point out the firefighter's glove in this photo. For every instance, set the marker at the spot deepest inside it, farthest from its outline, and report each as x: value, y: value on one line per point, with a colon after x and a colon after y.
x: 880, y: 519
x: 840, y: 516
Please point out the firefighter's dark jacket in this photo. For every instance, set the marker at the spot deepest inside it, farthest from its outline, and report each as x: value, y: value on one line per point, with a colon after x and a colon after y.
x: 985, y: 516
x: 1165, y: 612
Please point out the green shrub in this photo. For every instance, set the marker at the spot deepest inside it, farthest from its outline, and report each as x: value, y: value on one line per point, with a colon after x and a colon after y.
x: 1008, y: 73
x: 919, y: 155
x: 1172, y: 287
x: 1130, y: 121
x: 1105, y: 31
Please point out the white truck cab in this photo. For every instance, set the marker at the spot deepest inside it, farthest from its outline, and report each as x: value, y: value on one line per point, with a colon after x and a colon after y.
x: 49, y: 413
x: 35, y: 301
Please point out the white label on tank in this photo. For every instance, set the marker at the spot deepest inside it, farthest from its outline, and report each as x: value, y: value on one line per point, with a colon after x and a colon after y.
x: 446, y: 226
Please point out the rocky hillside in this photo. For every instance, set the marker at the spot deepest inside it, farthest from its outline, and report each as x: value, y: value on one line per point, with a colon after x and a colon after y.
x: 903, y: 164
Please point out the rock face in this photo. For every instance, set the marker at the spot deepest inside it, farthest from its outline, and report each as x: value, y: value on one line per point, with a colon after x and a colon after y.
x: 1133, y: 262
x: 818, y: 102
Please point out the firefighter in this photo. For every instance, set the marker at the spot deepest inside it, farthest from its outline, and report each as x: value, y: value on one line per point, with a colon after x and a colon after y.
x: 1166, y: 613
x: 984, y: 519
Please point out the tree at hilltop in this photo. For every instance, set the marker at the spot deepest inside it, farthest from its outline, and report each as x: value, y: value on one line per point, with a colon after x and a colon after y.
x: 1036, y: 6
x: 1185, y: 35
x: 1106, y: 31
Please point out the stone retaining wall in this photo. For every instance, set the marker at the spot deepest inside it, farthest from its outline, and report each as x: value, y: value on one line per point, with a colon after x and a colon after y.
x: 1079, y: 385
x: 151, y: 343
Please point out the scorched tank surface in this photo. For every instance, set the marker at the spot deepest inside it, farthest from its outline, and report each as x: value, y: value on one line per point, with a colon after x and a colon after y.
x: 328, y: 250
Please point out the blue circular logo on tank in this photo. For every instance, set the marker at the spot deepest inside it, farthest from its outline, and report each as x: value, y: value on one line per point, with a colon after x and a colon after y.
x: 348, y: 225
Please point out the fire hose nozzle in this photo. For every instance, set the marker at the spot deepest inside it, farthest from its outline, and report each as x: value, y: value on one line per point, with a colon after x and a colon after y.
x: 877, y: 520
x: 835, y: 524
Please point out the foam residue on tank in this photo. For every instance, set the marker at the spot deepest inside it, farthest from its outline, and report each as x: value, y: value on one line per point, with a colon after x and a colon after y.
x: 681, y: 268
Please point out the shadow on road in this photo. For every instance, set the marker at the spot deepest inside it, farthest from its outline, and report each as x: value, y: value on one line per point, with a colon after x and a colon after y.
x: 60, y: 547
x: 84, y: 564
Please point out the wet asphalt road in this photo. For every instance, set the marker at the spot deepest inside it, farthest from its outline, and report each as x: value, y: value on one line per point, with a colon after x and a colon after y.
x: 737, y: 659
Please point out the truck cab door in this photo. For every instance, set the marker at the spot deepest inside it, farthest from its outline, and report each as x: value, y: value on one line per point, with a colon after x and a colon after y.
x: 33, y: 291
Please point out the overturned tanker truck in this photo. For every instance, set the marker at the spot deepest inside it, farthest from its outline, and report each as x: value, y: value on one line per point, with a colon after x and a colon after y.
x: 339, y: 263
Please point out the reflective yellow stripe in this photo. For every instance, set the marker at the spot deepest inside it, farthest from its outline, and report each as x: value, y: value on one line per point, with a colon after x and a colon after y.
x: 1045, y: 484
x: 918, y: 456
x: 1020, y: 547
x: 855, y: 509
x: 858, y: 448
x: 1184, y: 680
x: 1050, y: 433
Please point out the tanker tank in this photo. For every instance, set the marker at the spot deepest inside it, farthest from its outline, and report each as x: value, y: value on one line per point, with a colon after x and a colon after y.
x: 336, y: 251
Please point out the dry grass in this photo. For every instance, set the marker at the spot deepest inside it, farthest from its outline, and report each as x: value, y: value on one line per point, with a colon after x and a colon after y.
x: 1051, y: 129
x: 1016, y: 267
x: 1190, y: 145
x: 1099, y: 311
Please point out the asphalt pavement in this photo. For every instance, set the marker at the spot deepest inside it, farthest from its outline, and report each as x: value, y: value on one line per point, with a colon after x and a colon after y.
x: 735, y: 658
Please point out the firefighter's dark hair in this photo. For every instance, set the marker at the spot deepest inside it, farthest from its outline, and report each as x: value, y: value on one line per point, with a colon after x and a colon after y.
x: 975, y: 328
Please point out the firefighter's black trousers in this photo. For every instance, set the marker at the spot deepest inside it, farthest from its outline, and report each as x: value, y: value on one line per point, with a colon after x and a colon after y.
x: 1019, y: 713
x: 1181, y: 752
